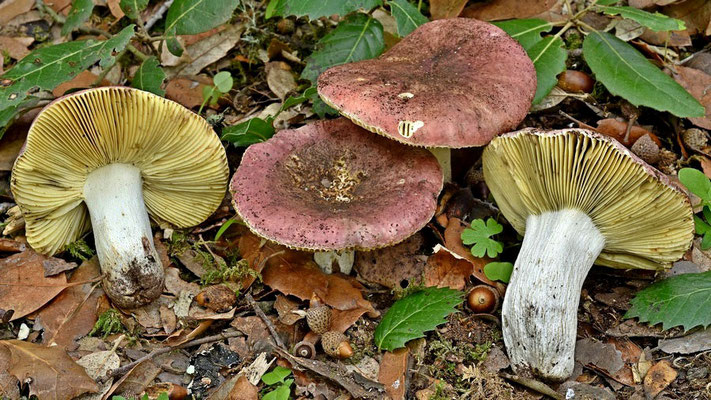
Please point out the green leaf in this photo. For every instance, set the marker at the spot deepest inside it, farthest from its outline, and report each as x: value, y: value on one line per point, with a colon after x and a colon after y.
x: 80, y: 12
x: 223, y: 81
x: 526, y: 31
x: 47, y: 67
x: 706, y: 241
x: 480, y: 236
x: 149, y: 76
x: 318, y: 8
x: 249, y: 132
x: 174, y: 46
x: 499, y: 271
x: 407, y: 17
x: 657, y: 22
x: 280, y: 393
x: 357, y: 37
x: 682, y: 300
x: 226, y: 225
x: 132, y: 8
x: 189, y: 17
x: 697, y: 183
x: 277, y: 375
x: 8, y: 115
x: 548, y: 54
x: 700, y: 226
x: 548, y: 57
x: 291, y: 101
x: 707, y: 212
x: 410, y: 317
x: 626, y: 73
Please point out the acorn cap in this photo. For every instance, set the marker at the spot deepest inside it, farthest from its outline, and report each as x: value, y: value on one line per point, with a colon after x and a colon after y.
x: 450, y: 83
x: 182, y: 162
x: 335, y: 344
x: 319, y: 319
x: 646, y: 221
x: 332, y: 185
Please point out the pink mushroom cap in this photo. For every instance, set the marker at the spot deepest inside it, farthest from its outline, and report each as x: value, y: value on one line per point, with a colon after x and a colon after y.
x: 331, y: 185
x: 450, y: 83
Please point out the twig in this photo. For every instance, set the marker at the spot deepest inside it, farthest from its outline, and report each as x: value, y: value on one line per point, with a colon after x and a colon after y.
x: 533, y: 384
x: 158, y: 15
x: 266, y: 320
x: 122, y: 370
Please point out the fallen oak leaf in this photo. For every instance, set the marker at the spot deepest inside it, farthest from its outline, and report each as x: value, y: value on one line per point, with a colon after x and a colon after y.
x: 440, y: 9
x: 658, y: 378
x: 444, y: 269
x: 392, y: 373
x: 697, y: 83
x: 23, y: 286
x: 51, y: 373
x: 507, y: 9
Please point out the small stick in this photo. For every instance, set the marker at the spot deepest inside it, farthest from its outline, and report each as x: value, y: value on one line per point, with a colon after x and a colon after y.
x: 266, y: 320
x: 158, y: 15
x: 533, y: 384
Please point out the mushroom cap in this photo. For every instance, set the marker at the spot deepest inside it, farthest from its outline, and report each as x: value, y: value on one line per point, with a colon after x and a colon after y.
x: 182, y: 161
x: 332, y: 185
x: 647, y: 222
x: 450, y: 83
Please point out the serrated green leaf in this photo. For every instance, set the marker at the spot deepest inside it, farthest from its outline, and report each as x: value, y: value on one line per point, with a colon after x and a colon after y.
x: 249, y: 132
x: 132, y: 8
x: 190, y: 17
x: 682, y: 300
x: 479, y: 234
x: 696, y: 182
x: 223, y: 81
x: 655, y: 21
x: 149, y: 76
x: 407, y: 17
x: 410, y: 317
x: 626, y: 73
x: 548, y: 58
x: 499, y: 271
x: 47, y: 67
x: 79, y: 13
x: 277, y: 375
x: 526, y: 31
x: 357, y: 37
x: 318, y: 8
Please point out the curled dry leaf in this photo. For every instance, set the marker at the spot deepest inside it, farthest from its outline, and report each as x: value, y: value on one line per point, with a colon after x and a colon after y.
x: 9, y: 385
x: 187, y: 90
x: 697, y: 83
x: 97, y: 365
x: 393, y: 266
x: 12, y: 8
x: 696, y: 15
x: 53, y: 266
x: 73, y: 313
x: 507, y: 9
x: 445, y: 270
x: 11, y: 246
x: 280, y: 78
x: 658, y: 378
x: 393, y: 367
x: 600, y: 356
x: 51, y: 373
x: 15, y: 47
x: 618, y: 131
x: 440, y: 9
x: 23, y: 286
x: 207, y: 51
x: 82, y: 81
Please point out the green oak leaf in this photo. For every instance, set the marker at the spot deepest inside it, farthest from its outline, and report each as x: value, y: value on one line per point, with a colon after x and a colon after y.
x: 407, y: 17
x: 655, y: 21
x: 317, y: 8
x: 132, y: 8
x: 480, y: 235
x: 682, y: 300
x: 149, y: 76
x: 79, y: 13
x: 190, y: 17
x: 410, y: 317
x: 499, y: 271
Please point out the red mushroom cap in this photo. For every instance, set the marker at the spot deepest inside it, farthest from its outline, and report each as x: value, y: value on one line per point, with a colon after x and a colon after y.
x: 331, y: 185
x: 451, y: 83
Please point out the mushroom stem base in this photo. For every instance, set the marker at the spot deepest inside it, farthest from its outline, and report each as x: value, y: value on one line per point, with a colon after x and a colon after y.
x: 133, y: 274
x: 539, y: 312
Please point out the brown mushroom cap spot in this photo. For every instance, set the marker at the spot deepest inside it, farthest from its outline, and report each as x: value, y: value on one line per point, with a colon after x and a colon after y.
x: 182, y: 161
x: 451, y: 83
x: 646, y: 221
x: 332, y: 185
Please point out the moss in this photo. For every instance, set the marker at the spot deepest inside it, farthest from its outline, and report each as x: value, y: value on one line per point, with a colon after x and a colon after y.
x: 109, y: 322
x: 573, y: 40
x: 80, y: 250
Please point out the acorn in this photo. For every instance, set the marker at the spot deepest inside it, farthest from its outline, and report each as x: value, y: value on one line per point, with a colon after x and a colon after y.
x: 575, y: 81
x: 483, y: 299
x: 319, y: 319
x: 646, y: 149
x: 336, y: 345
x: 305, y: 349
x: 695, y: 138
x: 218, y: 298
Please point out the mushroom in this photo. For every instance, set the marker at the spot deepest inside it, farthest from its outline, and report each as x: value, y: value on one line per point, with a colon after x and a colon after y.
x: 451, y: 83
x: 104, y: 159
x: 580, y: 198
x: 333, y: 186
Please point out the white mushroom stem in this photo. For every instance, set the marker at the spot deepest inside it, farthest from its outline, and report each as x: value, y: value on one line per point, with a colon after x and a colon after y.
x: 444, y: 157
x: 133, y: 274
x: 539, y: 313
x: 344, y: 258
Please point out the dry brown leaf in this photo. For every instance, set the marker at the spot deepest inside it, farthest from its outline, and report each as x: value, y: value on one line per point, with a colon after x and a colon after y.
x: 60, y: 6
x: 168, y: 319
x: 630, y: 354
x: 54, y: 266
x: 97, y: 365
x: 10, y: 146
x: 186, y: 336
x: 14, y: 47
x: 9, y: 385
x: 395, y: 266
x: 243, y: 390
x: 82, y: 81
x: 650, y: 3
x: 598, y: 355
x: 392, y: 372
x: 342, y: 320
x: 115, y: 8
x: 23, y: 286
x: 696, y: 14
x: 51, y: 373
x: 175, y: 285
x: 207, y: 51
x: 73, y: 313
x: 135, y: 381
x: 284, y: 307
x: 693, y: 343
x: 658, y: 378
x: 671, y: 39
x: 697, y: 83
x: 280, y: 78
x: 440, y: 9
x: 10, y: 9
x: 453, y: 242
x: 445, y: 270
x: 187, y: 90
x: 507, y: 9
x: 618, y: 130
x: 11, y: 246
